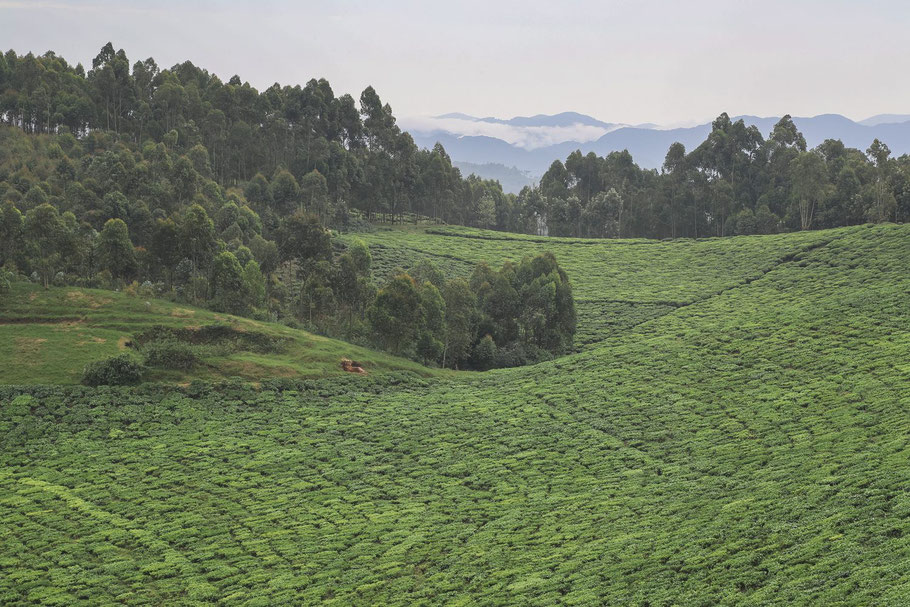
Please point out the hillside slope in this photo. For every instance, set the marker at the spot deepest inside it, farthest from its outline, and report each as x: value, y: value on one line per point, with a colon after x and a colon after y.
x: 47, y: 337
x: 746, y: 446
x: 617, y: 283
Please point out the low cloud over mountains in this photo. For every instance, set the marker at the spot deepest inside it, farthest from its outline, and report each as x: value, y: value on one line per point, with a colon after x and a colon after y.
x: 530, y: 144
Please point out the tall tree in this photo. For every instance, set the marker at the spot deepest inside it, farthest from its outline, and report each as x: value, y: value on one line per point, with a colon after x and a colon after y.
x: 115, y: 251
x: 460, y: 321
x: 392, y: 315
x: 197, y: 241
x: 11, y: 225
x: 45, y: 233
x: 810, y: 185
x: 227, y: 284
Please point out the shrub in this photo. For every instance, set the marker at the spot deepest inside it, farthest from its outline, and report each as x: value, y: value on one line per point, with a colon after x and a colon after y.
x: 170, y: 354
x: 218, y: 337
x: 519, y: 355
x: 120, y: 370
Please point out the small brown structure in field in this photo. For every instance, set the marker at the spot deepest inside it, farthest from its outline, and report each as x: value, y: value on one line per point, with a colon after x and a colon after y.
x: 352, y: 366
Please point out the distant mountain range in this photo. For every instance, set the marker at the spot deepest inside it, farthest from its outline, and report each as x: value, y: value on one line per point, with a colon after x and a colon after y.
x: 517, y: 151
x: 510, y: 178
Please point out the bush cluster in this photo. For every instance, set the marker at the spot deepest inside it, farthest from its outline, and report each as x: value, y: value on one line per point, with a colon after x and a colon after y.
x: 119, y: 370
x: 170, y: 354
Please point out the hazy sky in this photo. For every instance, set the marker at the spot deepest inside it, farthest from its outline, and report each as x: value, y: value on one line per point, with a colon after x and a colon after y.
x: 620, y: 61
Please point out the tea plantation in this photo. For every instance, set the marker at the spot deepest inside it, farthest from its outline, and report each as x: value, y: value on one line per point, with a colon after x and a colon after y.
x: 736, y: 431
x: 617, y: 283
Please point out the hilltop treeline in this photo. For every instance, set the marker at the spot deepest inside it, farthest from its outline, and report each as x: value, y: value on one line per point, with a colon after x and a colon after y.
x: 332, y: 155
x: 344, y: 154
x: 522, y: 313
x: 173, y: 184
x: 98, y: 212
x: 735, y: 182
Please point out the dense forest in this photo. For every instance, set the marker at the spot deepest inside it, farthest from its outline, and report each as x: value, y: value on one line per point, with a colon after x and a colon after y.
x: 340, y: 155
x: 331, y: 156
x: 172, y: 183
x: 117, y: 185
x: 735, y: 182
x: 99, y: 213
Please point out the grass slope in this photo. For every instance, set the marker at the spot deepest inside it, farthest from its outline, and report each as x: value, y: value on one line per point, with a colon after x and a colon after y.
x: 747, y: 447
x: 49, y: 336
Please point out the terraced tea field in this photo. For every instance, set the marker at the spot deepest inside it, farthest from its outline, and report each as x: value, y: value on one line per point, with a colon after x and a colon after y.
x: 743, y: 441
x: 617, y: 283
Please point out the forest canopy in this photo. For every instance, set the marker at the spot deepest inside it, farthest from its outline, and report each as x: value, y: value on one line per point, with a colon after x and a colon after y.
x: 333, y: 154
x: 172, y: 183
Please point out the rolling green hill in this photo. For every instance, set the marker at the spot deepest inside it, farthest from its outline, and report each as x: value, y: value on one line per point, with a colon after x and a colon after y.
x: 733, y: 433
x: 49, y: 336
x: 617, y: 283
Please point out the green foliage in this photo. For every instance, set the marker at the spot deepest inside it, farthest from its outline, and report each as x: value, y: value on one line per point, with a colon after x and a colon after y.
x: 197, y: 236
x: 120, y: 370
x: 331, y: 162
x: 45, y: 233
x: 615, y: 283
x: 115, y: 251
x: 745, y: 445
x: 227, y: 284
x: 47, y: 336
x: 11, y: 226
x: 301, y: 237
x: 220, y: 336
x: 265, y: 252
x: 546, y: 310
x: 395, y: 315
x: 484, y: 355
x: 528, y: 308
x: 731, y: 430
x: 326, y: 154
x: 170, y: 354
x: 314, y: 191
x: 5, y: 281
x: 317, y: 295
x: 431, y: 331
x: 253, y: 284
x: 460, y: 321
x: 284, y: 193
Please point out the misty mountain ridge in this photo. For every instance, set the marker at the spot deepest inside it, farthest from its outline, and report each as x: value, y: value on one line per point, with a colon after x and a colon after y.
x: 563, y: 119
x: 531, y: 143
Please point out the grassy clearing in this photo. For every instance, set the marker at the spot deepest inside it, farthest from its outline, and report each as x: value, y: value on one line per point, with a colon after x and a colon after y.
x: 747, y: 448
x: 49, y: 336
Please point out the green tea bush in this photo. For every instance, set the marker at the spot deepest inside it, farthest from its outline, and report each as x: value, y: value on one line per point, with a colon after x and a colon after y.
x: 170, y: 354
x: 120, y: 370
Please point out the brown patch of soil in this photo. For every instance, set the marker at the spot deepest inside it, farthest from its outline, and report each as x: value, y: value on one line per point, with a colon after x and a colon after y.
x: 27, y: 346
x: 248, y: 369
x: 78, y: 297
x: 92, y: 340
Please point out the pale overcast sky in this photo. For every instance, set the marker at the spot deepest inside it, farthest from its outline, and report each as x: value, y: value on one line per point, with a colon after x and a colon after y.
x: 620, y: 61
